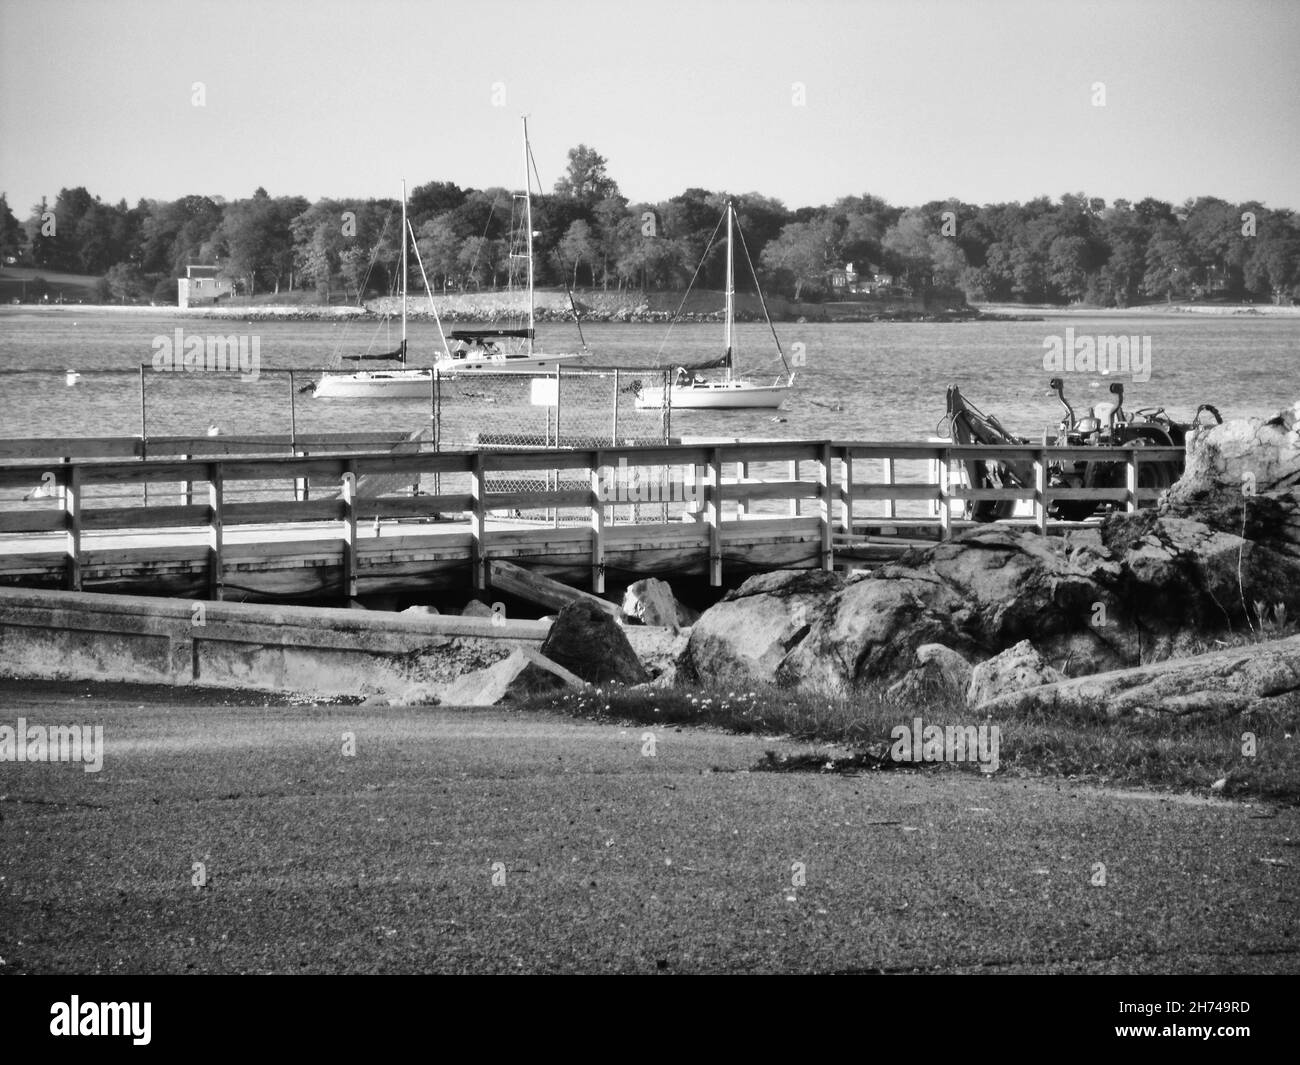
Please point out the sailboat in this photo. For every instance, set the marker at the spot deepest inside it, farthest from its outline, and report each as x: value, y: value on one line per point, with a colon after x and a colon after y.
x: 692, y: 391
x: 374, y: 384
x: 481, y: 350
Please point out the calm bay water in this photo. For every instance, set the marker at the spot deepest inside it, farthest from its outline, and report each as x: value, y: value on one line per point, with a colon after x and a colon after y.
x: 879, y: 381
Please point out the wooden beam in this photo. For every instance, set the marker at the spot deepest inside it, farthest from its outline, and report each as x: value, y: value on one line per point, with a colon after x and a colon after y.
x: 544, y: 591
x: 72, y: 508
x: 350, y: 530
x: 478, y: 523
x: 598, y: 515
x: 824, y: 506
x: 713, y: 517
x: 216, y: 578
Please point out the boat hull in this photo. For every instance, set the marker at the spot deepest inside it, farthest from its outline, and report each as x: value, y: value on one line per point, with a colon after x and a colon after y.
x: 717, y: 395
x: 415, y: 384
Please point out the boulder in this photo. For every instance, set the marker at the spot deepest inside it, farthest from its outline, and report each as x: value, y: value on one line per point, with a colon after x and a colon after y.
x: 1015, y: 669
x: 522, y: 675
x: 657, y: 649
x: 589, y: 642
x: 1253, y: 678
x: 651, y: 602
x: 977, y: 594
x: 940, y: 672
x: 745, y: 636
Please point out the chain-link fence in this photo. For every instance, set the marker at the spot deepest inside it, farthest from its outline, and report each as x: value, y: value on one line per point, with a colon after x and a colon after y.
x: 559, y: 409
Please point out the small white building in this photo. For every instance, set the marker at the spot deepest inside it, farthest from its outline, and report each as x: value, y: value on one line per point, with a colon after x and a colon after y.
x: 201, y: 285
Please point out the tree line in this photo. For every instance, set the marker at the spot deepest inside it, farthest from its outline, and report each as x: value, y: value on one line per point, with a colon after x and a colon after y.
x: 1076, y: 249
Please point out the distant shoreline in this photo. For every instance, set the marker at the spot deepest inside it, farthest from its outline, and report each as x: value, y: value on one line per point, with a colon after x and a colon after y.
x: 982, y: 312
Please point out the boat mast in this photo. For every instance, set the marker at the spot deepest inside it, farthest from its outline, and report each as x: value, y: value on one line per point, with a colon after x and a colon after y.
x: 731, y: 289
x: 528, y: 226
x: 404, y: 237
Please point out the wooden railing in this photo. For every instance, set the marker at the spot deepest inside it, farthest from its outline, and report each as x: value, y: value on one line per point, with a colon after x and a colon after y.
x: 714, y: 495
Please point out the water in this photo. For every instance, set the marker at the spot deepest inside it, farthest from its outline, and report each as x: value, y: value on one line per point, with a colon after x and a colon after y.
x: 879, y: 381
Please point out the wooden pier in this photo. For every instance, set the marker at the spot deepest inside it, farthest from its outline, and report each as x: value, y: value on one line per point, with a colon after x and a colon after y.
x: 345, y: 516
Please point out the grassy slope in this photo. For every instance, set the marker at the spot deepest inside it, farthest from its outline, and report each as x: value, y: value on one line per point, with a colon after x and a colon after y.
x: 613, y: 860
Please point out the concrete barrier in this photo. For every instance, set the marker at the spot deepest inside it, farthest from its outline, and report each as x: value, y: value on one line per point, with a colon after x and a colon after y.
x: 58, y: 635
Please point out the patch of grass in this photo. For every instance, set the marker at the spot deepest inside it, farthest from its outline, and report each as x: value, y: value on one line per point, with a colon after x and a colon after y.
x: 1140, y: 752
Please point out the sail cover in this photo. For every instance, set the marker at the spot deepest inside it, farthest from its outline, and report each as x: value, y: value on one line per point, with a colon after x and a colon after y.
x: 388, y: 356
x: 707, y: 364
x: 480, y: 334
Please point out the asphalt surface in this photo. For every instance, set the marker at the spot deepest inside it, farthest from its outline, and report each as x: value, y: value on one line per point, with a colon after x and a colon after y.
x: 489, y: 841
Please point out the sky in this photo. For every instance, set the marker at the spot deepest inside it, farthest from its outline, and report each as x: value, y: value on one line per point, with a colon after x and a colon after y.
x: 912, y: 101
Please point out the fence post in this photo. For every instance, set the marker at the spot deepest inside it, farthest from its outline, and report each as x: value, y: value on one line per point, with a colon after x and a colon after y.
x: 349, y: 498
x: 72, y: 508
x: 846, y: 492
x: 889, y: 480
x: 614, y: 434
x: 1131, y: 480
x: 742, y: 500
x: 478, y: 525
x: 598, y: 525
x: 1040, y: 489
x: 713, y: 517
x: 794, y: 476
x: 824, y: 507
x: 945, y: 501
x: 216, y: 578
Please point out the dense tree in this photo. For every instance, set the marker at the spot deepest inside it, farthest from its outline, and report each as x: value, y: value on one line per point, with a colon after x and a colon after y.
x: 585, y: 179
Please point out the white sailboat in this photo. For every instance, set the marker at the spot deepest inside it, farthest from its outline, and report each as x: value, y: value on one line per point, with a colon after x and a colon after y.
x: 388, y: 383
x: 692, y: 391
x: 472, y: 350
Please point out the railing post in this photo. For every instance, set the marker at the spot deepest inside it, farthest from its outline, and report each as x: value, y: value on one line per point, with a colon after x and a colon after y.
x: 945, y: 501
x: 72, y: 508
x: 598, y: 524
x: 216, y: 578
x: 824, y: 507
x: 846, y: 492
x: 713, y: 517
x: 794, y: 476
x: 349, y: 498
x: 889, y: 480
x: 1040, y: 490
x: 614, y: 433
x: 742, y: 500
x: 187, y: 487
x: 478, y: 524
x: 1131, y: 480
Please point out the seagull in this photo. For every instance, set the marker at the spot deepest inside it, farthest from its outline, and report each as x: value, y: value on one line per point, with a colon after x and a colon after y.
x: 214, y: 429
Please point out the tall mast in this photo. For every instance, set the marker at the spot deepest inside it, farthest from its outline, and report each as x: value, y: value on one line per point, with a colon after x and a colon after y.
x: 731, y: 290
x: 528, y: 228
x: 404, y: 238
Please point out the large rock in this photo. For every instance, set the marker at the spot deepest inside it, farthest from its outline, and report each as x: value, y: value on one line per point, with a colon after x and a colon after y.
x: 1015, y: 669
x: 977, y: 594
x: 940, y: 673
x: 1257, y: 677
x: 588, y: 642
x: 746, y: 635
x: 520, y: 676
x: 651, y: 602
x: 658, y: 649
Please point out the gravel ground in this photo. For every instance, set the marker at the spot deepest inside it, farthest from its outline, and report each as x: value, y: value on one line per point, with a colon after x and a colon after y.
x: 485, y: 841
